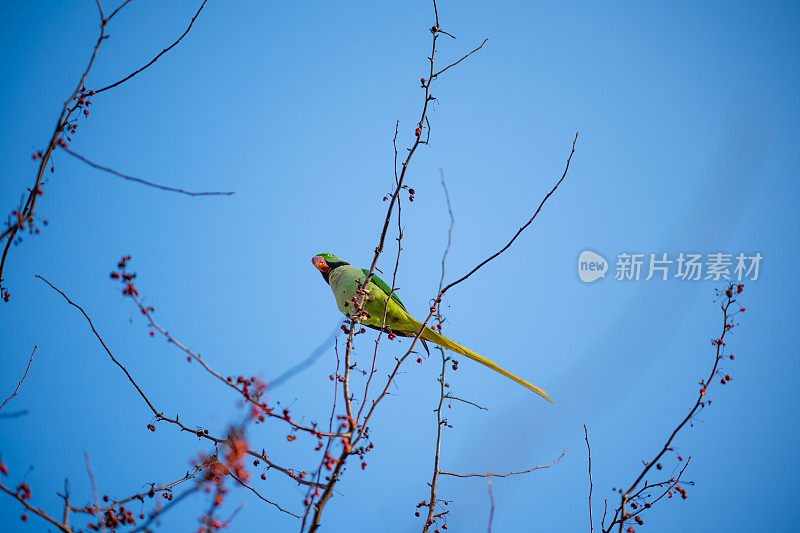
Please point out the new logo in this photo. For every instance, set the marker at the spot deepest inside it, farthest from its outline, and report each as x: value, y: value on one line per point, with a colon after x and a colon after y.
x: 591, y: 266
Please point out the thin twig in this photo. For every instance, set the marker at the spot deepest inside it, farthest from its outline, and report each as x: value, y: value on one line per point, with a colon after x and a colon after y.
x: 30, y: 360
x: 111, y: 16
x: 490, y: 474
x: 95, y: 497
x: 254, y: 491
x: 491, y: 503
x: 451, y: 397
x: 442, y: 376
x: 307, y: 362
x: 519, y: 232
x: 14, y: 414
x: 591, y: 484
x: 144, y: 182
x: 462, y: 59
x: 102, y: 342
x: 164, y: 51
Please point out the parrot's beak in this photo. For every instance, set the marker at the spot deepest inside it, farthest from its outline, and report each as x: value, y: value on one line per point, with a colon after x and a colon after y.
x: 320, y: 263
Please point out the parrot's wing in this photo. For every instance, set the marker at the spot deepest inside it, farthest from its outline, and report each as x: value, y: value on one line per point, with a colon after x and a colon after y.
x: 384, y: 287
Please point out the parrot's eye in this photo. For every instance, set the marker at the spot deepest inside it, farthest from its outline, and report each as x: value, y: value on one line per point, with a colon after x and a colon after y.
x: 320, y: 263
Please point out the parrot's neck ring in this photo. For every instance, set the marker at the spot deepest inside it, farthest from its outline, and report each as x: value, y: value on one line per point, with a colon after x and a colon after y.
x: 332, y: 267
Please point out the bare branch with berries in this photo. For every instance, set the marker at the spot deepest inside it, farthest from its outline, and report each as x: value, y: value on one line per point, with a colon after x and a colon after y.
x: 348, y: 433
x: 251, y: 389
x: 23, y: 218
x: 640, y: 498
x: 23, y: 494
x: 440, y: 420
x: 159, y: 415
x: 358, y: 429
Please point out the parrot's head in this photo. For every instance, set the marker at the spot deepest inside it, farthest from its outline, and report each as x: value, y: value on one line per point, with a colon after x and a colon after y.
x: 327, y: 262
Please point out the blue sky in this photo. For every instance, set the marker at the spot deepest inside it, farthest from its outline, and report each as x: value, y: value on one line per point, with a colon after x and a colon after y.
x: 687, y: 114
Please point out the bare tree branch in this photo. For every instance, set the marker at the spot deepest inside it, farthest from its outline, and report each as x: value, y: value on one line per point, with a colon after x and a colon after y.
x: 102, y: 342
x: 491, y: 505
x: 519, y: 232
x: 156, y: 58
x: 440, y: 422
x: 95, y: 498
x: 591, y: 484
x: 25, y: 214
x: 460, y: 60
x: 621, y: 515
x: 254, y: 491
x: 159, y: 415
x: 144, y: 182
x: 30, y: 360
x: 490, y: 474
x: 63, y: 526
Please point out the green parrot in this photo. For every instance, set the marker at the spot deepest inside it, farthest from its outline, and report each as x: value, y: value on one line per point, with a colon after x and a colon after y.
x: 344, y: 279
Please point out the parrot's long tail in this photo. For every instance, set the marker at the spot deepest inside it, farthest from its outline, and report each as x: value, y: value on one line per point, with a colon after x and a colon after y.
x: 430, y: 335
